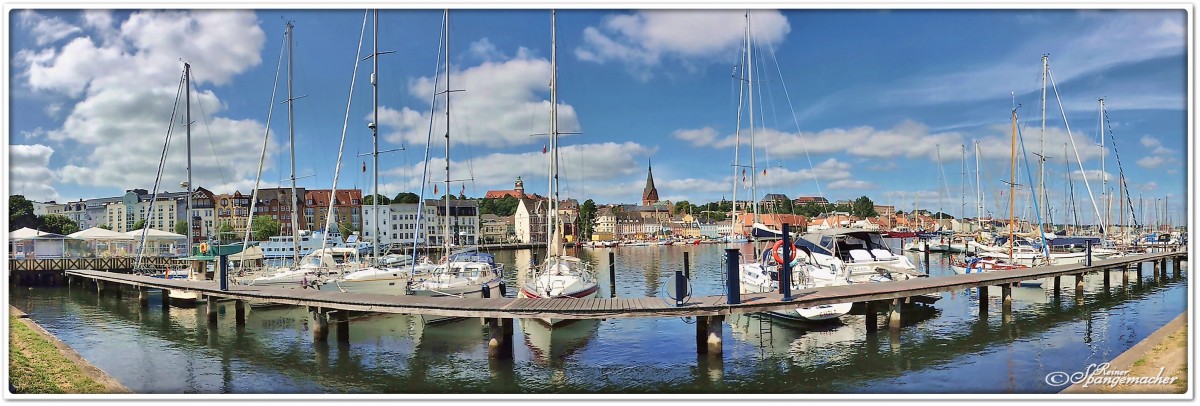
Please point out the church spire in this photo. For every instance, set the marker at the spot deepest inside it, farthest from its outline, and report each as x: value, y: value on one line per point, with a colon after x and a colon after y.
x: 649, y: 194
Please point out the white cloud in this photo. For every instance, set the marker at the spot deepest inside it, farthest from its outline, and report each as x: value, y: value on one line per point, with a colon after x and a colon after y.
x: 29, y: 172
x: 46, y: 30
x: 999, y: 146
x: 698, y: 137
x: 483, y: 49
x: 127, y: 86
x: 1151, y: 161
x: 1075, y: 51
x: 908, y: 139
x: 1149, y: 186
x: 644, y: 39
x: 504, y: 104
x: 851, y: 184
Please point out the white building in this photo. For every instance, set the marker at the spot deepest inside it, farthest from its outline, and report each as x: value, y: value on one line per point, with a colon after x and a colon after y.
x: 398, y: 224
x: 529, y: 222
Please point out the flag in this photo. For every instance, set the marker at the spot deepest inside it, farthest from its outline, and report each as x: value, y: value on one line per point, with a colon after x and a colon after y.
x: 543, y: 148
x: 435, y: 190
x: 463, y: 191
x: 764, y: 172
x: 364, y: 166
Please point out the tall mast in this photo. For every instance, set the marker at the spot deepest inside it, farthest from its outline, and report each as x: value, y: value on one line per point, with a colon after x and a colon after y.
x: 187, y: 82
x: 737, y: 144
x: 962, y: 211
x: 1104, y: 195
x: 375, y: 136
x: 750, y: 97
x: 941, y: 198
x: 552, y: 216
x: 1042, y: 162
x: 292, y: 143
x: 446, y: 229
x: 1012, y: 184
x: 978, y: 190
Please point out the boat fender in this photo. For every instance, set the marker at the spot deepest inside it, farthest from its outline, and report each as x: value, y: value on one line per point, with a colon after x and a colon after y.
x: 503, y: 290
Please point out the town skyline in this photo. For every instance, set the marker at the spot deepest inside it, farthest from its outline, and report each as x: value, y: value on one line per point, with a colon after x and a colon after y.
x: 873, y: 121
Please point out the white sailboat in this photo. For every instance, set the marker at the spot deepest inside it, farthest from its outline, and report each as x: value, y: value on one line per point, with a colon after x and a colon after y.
x: 467, y: 274
x: 561, y: 276
x: 763, y: 274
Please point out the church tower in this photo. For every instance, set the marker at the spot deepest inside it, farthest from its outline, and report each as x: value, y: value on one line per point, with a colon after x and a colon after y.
x: 520, y: 188
x: 649, y: 194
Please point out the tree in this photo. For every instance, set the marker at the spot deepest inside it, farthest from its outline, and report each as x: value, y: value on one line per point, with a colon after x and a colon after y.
x: 503, y: 207
x: 58, y: 224
x: 587, y: 218
x: 406, y: 197
x: 140, y: 224
x: 105, y: 226
x: 264, y: 227
x: 863, y: 207
x: 369, y: 200
x: 20, y: 213
x: 225, y: 233
x: 181, y: 228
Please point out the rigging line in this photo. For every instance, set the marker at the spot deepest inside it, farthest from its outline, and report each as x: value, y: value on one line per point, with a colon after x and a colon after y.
x: 263, y: 156
x: 795, y: 119
x: 337, y: 168
x: 420, y: 227
x: 1120, y: 167
x: 1082, y: 172
x: 211, y: 142
x: 162, y: 161
x: 1029, y: 174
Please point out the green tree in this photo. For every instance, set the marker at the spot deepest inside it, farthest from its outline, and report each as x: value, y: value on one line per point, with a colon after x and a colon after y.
x: 225, y: 234
x: 58, y: 224
x: 20, y: 213
x: 105, y: 226
x: 264, y: 227
x: 406, y: 197
x: 140, y: 224
x: 863, y: 207
x: 587, y: 218
x: 181, y: 228
x: 503, y: 207
x: 369, y: 199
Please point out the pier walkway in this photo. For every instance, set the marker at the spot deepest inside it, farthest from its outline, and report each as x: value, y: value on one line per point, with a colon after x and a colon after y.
x: 709, y: 310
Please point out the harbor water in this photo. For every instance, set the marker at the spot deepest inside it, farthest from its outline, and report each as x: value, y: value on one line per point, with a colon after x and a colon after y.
x: 943, y: 348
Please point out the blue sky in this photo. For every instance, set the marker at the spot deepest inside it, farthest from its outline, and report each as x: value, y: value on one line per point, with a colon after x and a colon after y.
x: 847, y: 102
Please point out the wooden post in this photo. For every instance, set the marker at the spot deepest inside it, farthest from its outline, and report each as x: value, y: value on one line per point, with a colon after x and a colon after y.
x: 1078, y: 287
x: 143, y: 297
x: 983, y: 302
x: 500, y: 338
x: 687, y: 266
x: 1006, y: 293
x: 1106, y: 283
x: 1125, y: 275
x: 894, y: 315
x: 612, y: 274
x: 320, y: 324
x: 1177, y: 264
x: 239, y: 311
x: 1139, y: 272
x: 1057, y: 285
x: 212, y: 311
x: 166, y: 299
x: 714, y: 335
x: 872, y: 316
x: 701, y: 334
x: 343, y: 326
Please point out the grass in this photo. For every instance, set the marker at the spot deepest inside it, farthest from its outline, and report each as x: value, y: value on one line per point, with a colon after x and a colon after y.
x: 36, y: 366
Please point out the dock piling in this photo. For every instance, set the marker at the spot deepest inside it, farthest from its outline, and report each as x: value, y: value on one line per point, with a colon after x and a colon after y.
x: 983, y: 302
x: 500, y: 338
x: 1006, y: 293
x: 320, y: 324
x: 681, y: 288
x: 1176, y: 264
x: 872, y: 316
x: 714, y: 335
x: 143, y: 297
x: 343, y: 326
x: 239, y: 311
x: 1057, y: 285
x: 212, y: 310
x: 612, y: 274
x: 733, y: 287
x: 1078, y: 287
x: 687, y: 266
x: 894, y: 315
x: 701, y: 334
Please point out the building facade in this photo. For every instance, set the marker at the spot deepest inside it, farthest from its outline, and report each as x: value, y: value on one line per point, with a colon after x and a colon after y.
x: 347, y: 210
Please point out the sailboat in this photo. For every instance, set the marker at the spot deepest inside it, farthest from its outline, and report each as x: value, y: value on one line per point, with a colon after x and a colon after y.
x: 763, y: 273
x: 392, y: 278
x: 560, y: 276
x: 466, y: 273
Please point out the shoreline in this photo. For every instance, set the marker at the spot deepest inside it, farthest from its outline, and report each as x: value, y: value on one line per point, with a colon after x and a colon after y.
x: 65, y: 365
x: 1159, y: 354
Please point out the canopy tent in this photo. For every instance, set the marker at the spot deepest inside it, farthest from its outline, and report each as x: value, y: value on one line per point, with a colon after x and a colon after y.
x: 160, y: 243
x: 24, y: 234
x: 43, y: 245
x: 107, y: 243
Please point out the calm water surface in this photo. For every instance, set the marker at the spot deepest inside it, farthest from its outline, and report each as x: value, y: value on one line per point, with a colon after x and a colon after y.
x: 945, y: 348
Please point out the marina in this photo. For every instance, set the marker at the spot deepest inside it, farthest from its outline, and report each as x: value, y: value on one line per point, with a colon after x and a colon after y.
x: 397, y: 354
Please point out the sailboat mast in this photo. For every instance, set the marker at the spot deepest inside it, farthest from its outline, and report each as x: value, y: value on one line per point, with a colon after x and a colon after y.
x: 1104, y: 194
x: 446, y: 229
x: 750, y: 97
x: 552, y: 219
x: 1042, y: 162
x: 941, y: 198
x: 187, y: 83
x: 978, y: 190
x: 737, y: 131
x: 1012, y: 184
x: 962, y: 211
x: 292, y: 143
x: 375, y: 136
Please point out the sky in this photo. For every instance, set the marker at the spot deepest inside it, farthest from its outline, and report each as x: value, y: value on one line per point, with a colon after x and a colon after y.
x: 883, y: 103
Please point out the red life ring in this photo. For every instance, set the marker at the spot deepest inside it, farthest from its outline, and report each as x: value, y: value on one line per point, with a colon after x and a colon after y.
x: 775, y: 251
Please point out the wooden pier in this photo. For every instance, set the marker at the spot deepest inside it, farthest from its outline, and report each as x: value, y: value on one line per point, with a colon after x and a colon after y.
x: 709, y: 311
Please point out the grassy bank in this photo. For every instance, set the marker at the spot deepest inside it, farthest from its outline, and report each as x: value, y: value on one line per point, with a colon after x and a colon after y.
x: 37, y: 364
x: 1163, y: 353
